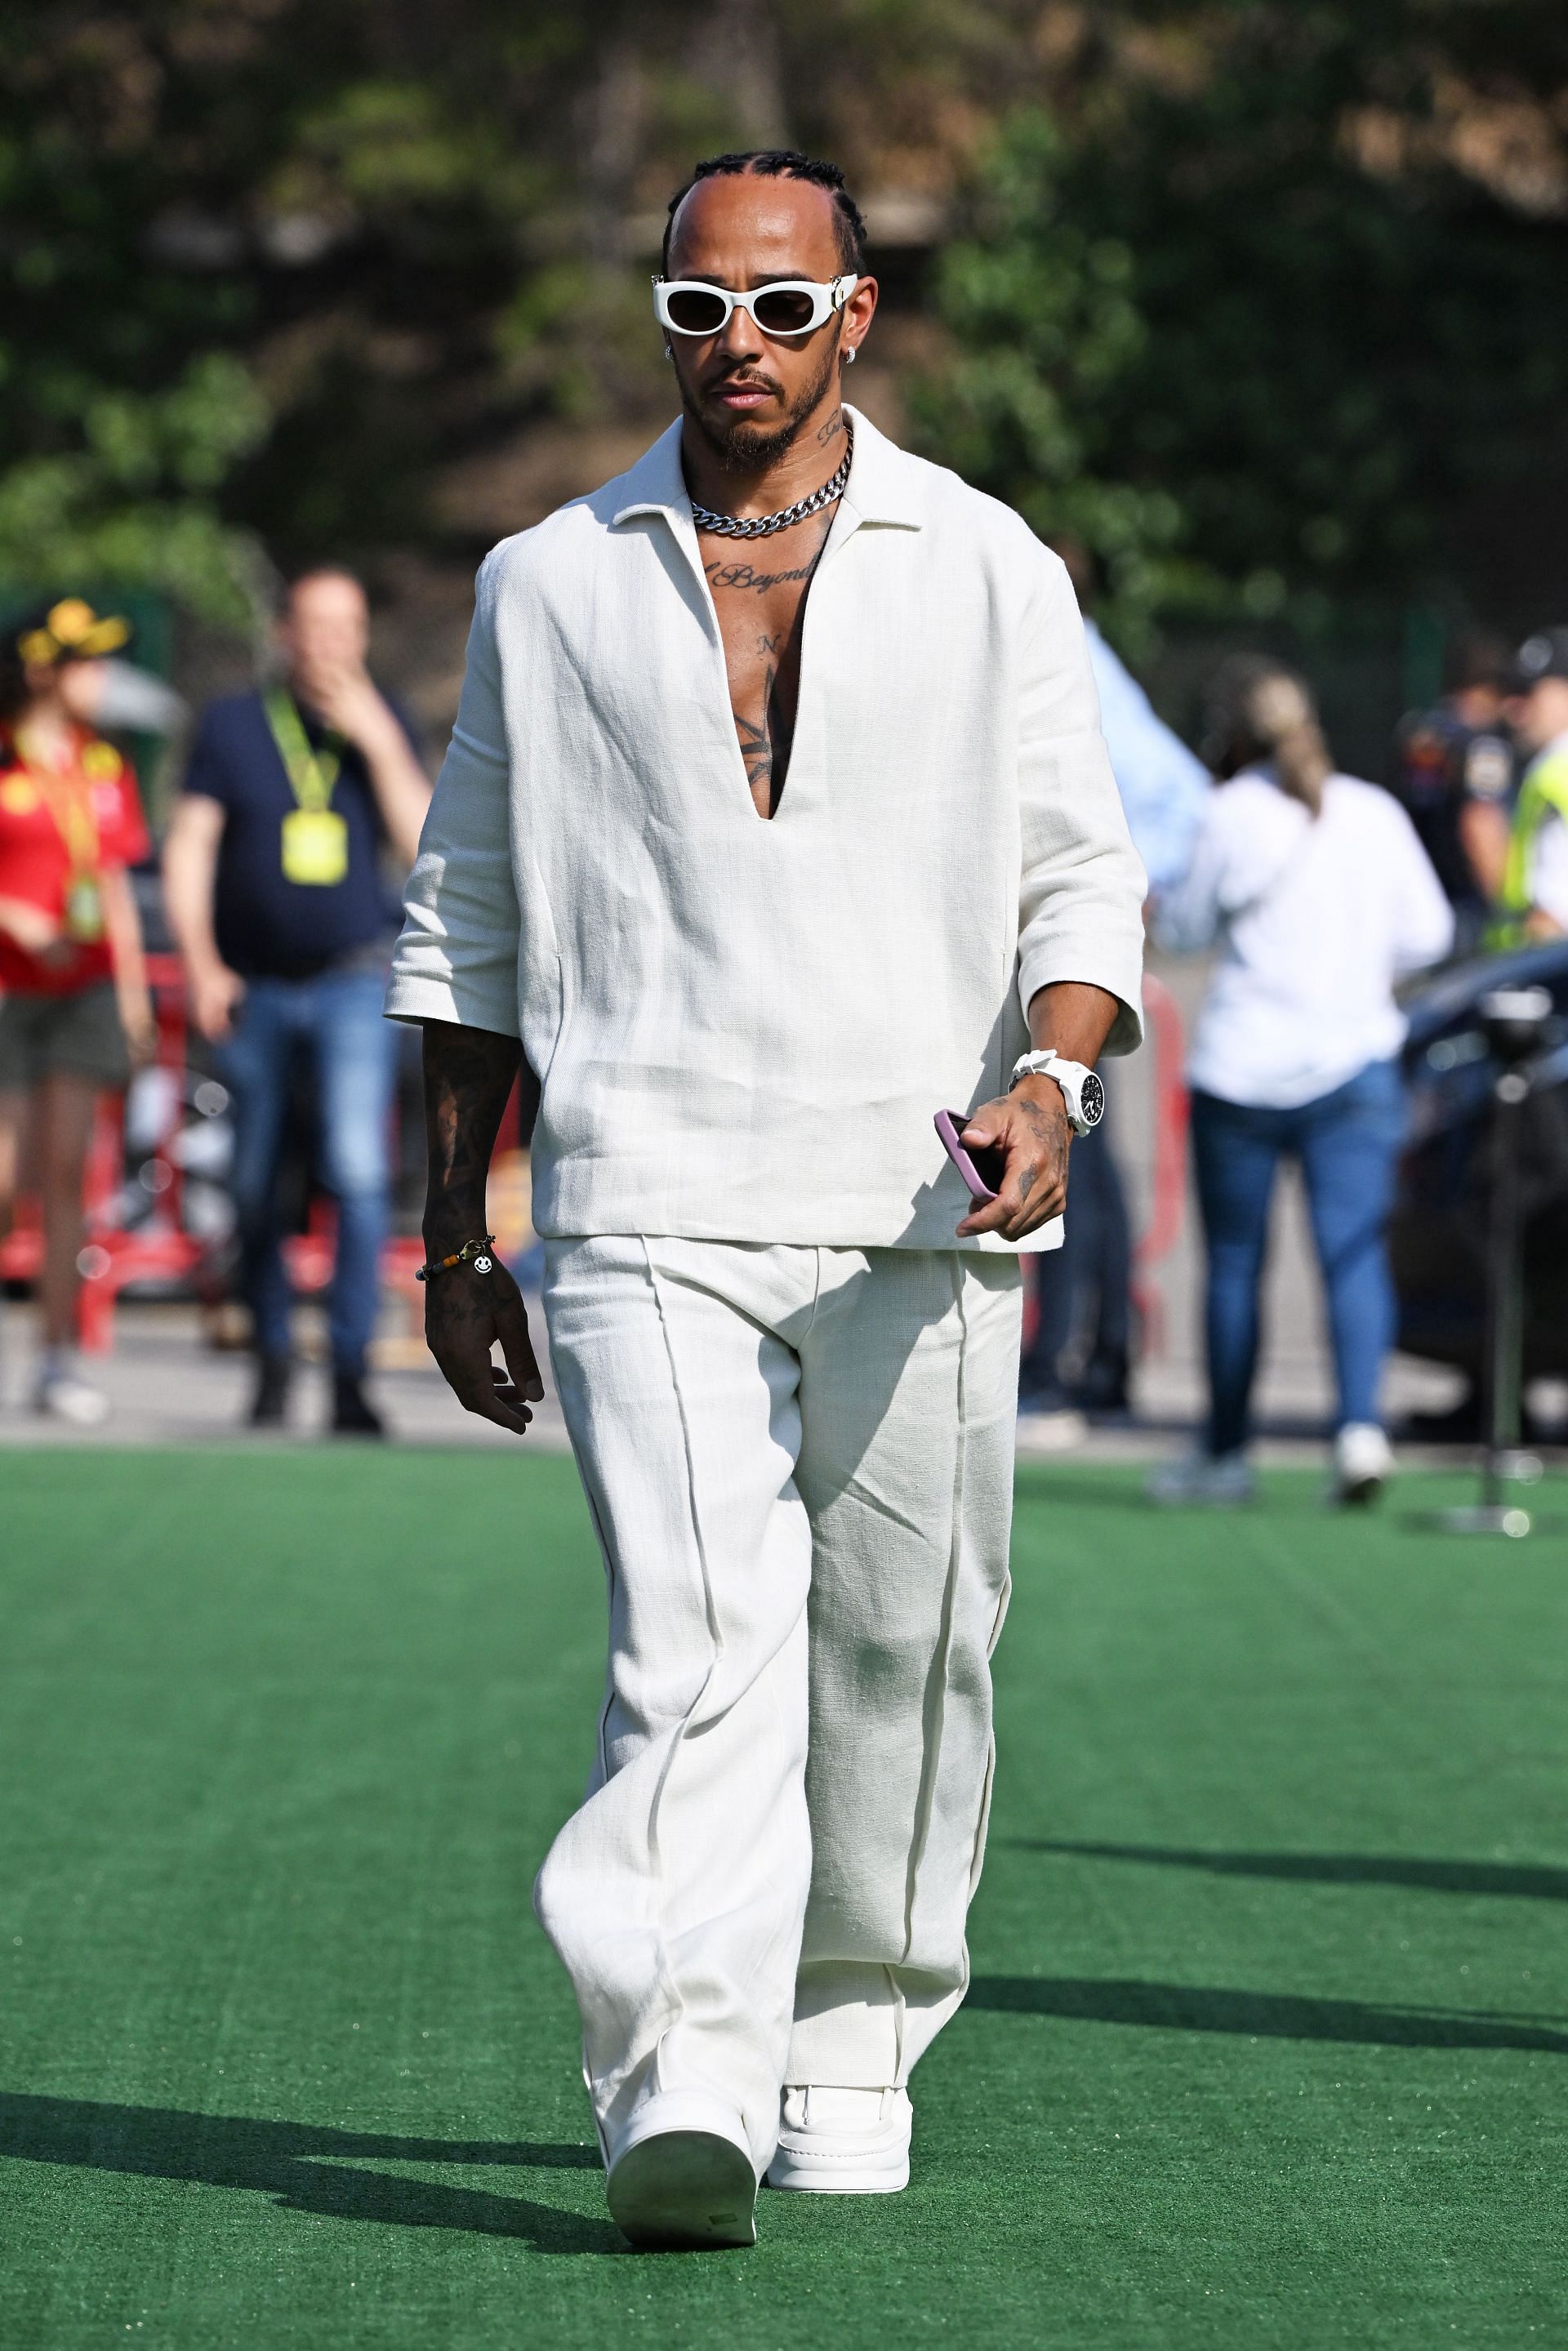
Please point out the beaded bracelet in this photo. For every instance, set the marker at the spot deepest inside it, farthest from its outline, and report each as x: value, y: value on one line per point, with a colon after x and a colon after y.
x: 475, y: 1253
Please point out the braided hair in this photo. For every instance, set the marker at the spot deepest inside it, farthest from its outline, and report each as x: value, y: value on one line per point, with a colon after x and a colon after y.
x: 782, y: 163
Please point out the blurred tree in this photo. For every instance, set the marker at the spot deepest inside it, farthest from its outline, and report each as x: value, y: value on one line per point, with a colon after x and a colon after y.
x: 1250, y: 292
x: 121, y: 412
x: 1267, y: 297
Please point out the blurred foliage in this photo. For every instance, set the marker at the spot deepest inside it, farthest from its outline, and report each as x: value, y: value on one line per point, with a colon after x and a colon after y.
x: 1224, y: 303
x: 1238, y: 321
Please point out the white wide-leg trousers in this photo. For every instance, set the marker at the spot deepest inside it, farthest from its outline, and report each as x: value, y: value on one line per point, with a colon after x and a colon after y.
x: 799, y: 1464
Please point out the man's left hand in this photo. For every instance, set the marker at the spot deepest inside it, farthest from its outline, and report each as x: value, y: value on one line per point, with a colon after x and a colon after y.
x: 1029, y: 1126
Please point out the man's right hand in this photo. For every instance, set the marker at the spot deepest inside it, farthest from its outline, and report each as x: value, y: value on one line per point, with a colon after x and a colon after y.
x: 214, y: 990
x: 466, y: 1314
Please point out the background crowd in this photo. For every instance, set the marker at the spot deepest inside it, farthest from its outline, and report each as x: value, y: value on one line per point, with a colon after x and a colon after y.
x: 1262, y: 321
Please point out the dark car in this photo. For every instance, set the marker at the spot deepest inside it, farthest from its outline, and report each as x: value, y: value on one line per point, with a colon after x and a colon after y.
x: 1438, y: 1234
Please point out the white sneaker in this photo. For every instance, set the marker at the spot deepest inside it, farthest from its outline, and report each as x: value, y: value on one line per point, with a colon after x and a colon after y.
x: 1223, y: 1481
x: 839, y: 2142
x: 65, y: 1397
x: 1362, y: 1463
x: 683, y: 2180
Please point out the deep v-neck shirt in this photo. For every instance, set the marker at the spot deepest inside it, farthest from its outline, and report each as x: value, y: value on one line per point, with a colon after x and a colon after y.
x: 742, y: 1028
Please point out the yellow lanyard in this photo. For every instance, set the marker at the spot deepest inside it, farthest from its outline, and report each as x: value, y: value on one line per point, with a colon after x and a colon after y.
x: 67, y: 796
x: 68, y: 799
x: 314, y: 842
x: 311, y: 774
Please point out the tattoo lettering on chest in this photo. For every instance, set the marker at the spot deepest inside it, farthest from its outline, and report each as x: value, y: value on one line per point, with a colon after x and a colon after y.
x: 761, y: 617
x: 744, y: 575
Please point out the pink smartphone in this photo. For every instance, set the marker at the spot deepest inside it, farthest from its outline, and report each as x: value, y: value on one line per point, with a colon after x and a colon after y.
x: 981, y: 1169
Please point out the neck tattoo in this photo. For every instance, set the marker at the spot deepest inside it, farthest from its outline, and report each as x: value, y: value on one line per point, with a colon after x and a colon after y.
x: 723, y: 526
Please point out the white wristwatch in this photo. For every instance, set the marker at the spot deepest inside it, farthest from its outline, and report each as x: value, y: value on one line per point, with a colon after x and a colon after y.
x: 1080, y: 1089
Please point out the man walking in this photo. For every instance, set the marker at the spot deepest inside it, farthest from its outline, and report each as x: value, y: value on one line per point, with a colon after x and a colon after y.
x: 776, y: 797
x: 273, y: 877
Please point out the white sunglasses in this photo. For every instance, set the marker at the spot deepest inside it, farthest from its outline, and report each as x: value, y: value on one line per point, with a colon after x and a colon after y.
x: 792, y: 306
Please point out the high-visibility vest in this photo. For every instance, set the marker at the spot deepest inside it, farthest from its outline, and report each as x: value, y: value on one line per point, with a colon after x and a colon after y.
x: 1542, y: 794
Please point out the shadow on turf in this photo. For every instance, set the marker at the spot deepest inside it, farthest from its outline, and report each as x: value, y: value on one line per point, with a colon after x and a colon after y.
x: 1534, y: 1881
x: 1182, y: 2008
x: 305, y: 2167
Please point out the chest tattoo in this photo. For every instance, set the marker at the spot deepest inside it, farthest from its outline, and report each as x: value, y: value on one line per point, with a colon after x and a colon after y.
x: 762, y: 656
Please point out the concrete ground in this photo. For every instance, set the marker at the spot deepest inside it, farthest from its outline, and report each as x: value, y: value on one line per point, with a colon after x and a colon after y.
x: 167, y: 1385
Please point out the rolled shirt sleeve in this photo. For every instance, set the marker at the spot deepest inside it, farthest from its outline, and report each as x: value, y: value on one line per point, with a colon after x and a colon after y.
x: 456, y: 959
x: 1081, y: 887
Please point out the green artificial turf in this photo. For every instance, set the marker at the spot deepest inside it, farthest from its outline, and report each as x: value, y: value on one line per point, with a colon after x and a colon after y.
x: 1267, y: 2043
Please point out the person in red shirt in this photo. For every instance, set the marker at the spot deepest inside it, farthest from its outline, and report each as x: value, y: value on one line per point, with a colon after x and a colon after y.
x: 74, y: 1007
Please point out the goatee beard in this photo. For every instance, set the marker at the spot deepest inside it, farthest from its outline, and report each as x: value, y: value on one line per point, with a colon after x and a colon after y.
x: 746, y: 448
x: 743, y: 448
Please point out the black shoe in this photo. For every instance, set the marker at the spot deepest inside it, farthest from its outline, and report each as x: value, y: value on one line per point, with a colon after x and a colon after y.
x: 353, y: 1414
x: 1103, y: 1389
x: 1045, y: 1397
x: 269, y: 1405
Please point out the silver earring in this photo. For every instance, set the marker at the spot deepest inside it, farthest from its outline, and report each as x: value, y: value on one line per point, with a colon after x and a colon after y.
x: 851, y: 356
x: 669, y: 355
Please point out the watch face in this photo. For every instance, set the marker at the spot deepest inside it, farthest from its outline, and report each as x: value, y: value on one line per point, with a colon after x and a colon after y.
x: 1092, y: 1101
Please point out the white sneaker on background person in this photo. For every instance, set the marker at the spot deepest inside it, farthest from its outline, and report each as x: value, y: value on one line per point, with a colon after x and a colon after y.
x: 1362, y: 1463
x: 62, y: 1394
x: 1060, y: 1430
x: 1221, y: 1482
x: 840, y: 2142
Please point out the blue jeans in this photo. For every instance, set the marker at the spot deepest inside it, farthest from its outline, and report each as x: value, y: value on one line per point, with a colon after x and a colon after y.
x: 335, y: 1024
x: 1348, y: 1145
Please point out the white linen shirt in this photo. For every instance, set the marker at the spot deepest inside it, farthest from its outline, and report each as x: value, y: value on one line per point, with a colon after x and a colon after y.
x: 743, y: 1027
x: 1316, y: 919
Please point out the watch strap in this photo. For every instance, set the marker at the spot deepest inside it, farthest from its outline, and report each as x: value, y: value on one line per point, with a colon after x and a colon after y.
x: 1082, y: 1090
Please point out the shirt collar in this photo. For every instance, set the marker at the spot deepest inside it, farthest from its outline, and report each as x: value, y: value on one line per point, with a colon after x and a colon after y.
x: 883, y: 485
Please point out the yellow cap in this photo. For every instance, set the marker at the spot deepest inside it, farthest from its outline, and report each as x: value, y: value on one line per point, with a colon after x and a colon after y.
x: 72, y: 631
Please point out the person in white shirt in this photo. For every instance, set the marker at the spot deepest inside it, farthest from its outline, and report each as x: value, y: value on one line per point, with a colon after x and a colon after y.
x: 760, y: 880
x: 1319, y: 896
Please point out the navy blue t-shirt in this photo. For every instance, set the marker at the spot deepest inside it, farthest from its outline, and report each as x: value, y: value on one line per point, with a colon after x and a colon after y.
x: 268, y: 927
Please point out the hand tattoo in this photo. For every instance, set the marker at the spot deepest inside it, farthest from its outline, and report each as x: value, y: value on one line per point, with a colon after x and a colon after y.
x: 469, y: 1075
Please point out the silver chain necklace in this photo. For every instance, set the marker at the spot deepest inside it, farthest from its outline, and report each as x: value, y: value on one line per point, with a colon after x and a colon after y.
x: 725, y: 526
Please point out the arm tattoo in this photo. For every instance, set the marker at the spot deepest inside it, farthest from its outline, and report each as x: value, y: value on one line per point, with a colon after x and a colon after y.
x: 469, y: 1075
